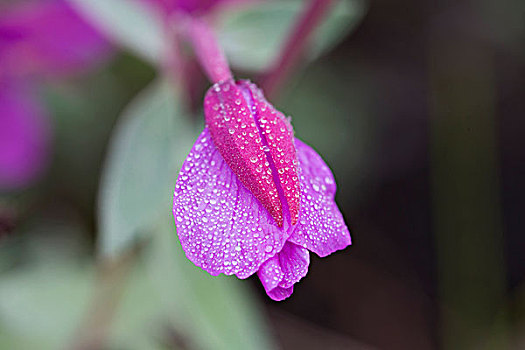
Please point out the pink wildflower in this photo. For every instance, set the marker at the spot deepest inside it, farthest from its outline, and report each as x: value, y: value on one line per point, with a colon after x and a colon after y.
x: 250, y: 197
x: 37, y: 39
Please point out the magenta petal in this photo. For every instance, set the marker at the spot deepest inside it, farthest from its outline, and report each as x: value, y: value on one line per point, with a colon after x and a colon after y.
x: 188, y: 6
x: 257, y: 143
x: 281, y: 272
x: 321, y: 227
x: 192, y: 6
x: 24, y: 136
x: 271, y: 273
x: 294, y: 263
x: 279, y: 294
x: 279, y: 138
x: 222, y: 227
x: 50, y: 38
x: 236, y: 136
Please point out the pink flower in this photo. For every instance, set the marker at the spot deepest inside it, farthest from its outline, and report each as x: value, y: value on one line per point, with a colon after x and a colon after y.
x: 251, y: 198
x: 38, y: 39
x: 47, y: 38
x: 187, y: 6
x: 24, y: 135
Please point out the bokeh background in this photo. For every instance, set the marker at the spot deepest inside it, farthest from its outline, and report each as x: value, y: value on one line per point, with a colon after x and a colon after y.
x: 416, y: 105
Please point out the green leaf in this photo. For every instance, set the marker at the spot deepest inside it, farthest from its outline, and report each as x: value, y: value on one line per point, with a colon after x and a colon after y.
x: 41, y: 307
x: 168, y: 301
x: 130, y: 23
x: 150, y: 140
x: 140, y: 320
x: 253, y: 35
x: 213, y: 312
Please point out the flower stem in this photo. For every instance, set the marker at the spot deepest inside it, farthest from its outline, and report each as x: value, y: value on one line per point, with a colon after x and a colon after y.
x: 174, y: 62
x: 209, y: 54
x: 295, y: 44
x: 112, y: 275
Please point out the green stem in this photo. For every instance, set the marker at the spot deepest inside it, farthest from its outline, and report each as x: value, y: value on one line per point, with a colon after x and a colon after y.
x: 295, y: 45
x: 94, y: 331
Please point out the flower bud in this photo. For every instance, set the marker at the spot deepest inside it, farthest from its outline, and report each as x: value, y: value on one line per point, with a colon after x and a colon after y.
x: 257, y: 142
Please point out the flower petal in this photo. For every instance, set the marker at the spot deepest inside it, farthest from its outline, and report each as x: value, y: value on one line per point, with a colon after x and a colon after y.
x: 222, y: 227
x: 188, y: 6
x: 50, y: 38
x: 321, y: 227
x: 281, y: 272
x: 24, y: 136
x: 294, y: 263
x: 279, y: 294
x: 238, y: 140
x: 256, y: 141
x: 278, y: 136
x: 271, y: 273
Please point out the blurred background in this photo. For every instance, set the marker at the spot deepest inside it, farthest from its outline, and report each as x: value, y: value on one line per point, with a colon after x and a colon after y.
x: 417, y: 106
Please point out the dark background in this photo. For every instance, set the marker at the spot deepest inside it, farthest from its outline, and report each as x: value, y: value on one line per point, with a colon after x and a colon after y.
x: 389, y: 289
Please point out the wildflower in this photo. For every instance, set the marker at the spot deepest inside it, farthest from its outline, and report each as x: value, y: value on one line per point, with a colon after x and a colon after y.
x: 251, y: 198
x: 185, y: 6
x: 24, y: 135
x: 38, y: 39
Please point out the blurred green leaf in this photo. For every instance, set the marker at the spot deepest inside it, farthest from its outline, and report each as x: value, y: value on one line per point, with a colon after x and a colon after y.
x: 253, y: 35
x: 150, y: 140
x: 42, y: 306
x: 140, y: 320
x: 169, y: 302
x: 129, y: 23
x: 213, y: 312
